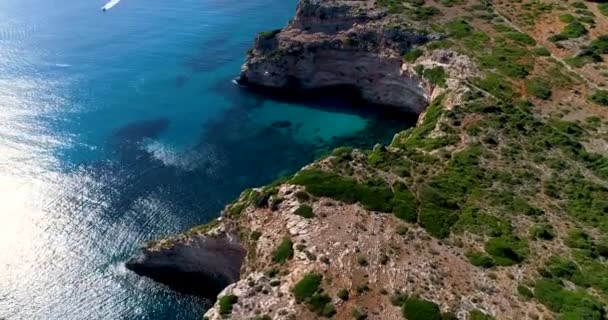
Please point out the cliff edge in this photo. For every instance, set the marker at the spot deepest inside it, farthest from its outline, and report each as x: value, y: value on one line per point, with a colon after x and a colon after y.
x: 492, y: 207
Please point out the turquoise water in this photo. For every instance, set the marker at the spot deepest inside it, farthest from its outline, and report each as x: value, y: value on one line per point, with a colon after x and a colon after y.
x: 121, y: 127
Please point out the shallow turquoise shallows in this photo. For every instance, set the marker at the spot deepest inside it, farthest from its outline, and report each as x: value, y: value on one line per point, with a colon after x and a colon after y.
x: 124, y: 126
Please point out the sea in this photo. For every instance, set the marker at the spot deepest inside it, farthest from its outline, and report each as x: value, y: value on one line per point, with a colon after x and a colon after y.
x: 124, y: 126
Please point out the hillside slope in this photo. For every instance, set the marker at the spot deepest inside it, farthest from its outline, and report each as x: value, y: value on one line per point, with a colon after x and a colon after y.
x: 495, y: 206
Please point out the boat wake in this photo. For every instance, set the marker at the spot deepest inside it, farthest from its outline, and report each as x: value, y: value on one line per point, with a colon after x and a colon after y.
x: 109, y: 5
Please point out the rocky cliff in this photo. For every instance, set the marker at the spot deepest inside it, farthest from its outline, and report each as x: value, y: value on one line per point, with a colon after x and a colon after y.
x: 493, y: 206
x: 348, y: 44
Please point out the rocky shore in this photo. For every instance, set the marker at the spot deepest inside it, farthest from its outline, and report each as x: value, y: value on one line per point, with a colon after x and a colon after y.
x: 453, y: 220
x: 340, y: 43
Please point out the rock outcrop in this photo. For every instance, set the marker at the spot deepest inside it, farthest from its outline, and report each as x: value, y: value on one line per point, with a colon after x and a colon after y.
x: 346, y: 44
x: 203, y: 264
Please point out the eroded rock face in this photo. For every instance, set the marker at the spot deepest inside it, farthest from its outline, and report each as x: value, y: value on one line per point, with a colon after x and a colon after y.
x: 202, y: 265
x: 340, y: 44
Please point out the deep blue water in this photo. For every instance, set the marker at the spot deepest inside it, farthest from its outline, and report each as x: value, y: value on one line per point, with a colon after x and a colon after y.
x: 120, y: 127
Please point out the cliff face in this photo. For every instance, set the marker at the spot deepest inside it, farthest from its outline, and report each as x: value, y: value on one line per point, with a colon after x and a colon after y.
x: 340, y: 44
x: 202, y: 264
x: 493, y: 206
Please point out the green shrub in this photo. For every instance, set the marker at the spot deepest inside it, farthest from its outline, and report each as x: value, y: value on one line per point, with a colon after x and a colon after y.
x: 572, y: 304
x: 542, y: 231
x: 579, y: 5
x: 560, y: 267
x: 435, y: 76
x: 412, y: 55
x: 579, y: 239
x: 480, y: 259
x: 478, y: 315
x: 302, y: 196
x: 521, y: 38
x: 304, y: 211
x: 266, y: 35
x: 573, y: 30
x: 498, y: 86
x: 357, y: 314
x: 567, y: 18
x: 599, y: 97
x: 284, y: 251
x: 603, y: 7
x: 416, y: 308
x: 541, y: 51
x: 236, y: 209
x: 404, y: 205
x: 226, y: 302
x: 255, y: 235
x: 417, y: 136
x: 362, y: 261
x: 373, y: 196
x: 307, y: 286
x: 507, y: 59
x: 459, y: 28
x: 525, y: 291
x: 320, y: 303
x: 474, y: 220
x: 343, y: 294
x: 425, y: 12
x: 538, y: 88
x: 445, y: 193
x: 507, y: 251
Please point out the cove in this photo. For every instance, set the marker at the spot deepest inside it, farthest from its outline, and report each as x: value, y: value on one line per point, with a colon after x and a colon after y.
x: 124, y: 127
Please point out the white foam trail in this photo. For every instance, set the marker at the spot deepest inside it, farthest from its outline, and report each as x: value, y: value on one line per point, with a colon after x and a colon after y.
x: 62, y: 65
x: 109, y: 5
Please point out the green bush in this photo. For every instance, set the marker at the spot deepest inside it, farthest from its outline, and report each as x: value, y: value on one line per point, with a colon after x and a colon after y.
x: 255, y: 235
x: 599, y: 97
x: 603, y: 7
x: 579, y: 239
x: 304, y: 211
x: 573, y: 30
x: 343, y: 294
x: 567, y: 18
x: 498, y: 86
x: 521, y: 38
x: 412, y: 55
x: 435, y: 76
x: 226, y: 302
x: 538, y: 88
x: 357, y: 314
x: 320, y: 303
x: 560, y: 267
x: 525, y: 291
x: 507, y: 250
x: 542, y: 231
x: 478, y: 315
x: 307, y: 286
x: 266, y: 35
x: 474, y: 220
x: 572, y: 304
x: 416, y: 308
x: 459, y: 28
x: 373, y: 196
x: 425, y: 12
x: 480, y: 259
x: 284, y: 251
x: 507, y: 59
x: 445, y: 193
x: 541, y: 51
